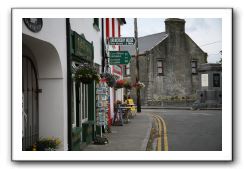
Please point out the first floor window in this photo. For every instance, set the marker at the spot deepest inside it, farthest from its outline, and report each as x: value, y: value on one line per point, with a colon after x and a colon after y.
x: 96, y: 23
x: 194, y: 67
x: 160, y: 67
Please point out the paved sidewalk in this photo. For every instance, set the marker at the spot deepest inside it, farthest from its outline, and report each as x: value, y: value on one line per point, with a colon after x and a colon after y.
x: 129, y: 137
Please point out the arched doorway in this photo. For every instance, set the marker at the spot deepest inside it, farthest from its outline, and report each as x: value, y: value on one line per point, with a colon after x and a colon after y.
x: 50, y: 118
x: 30, y: 113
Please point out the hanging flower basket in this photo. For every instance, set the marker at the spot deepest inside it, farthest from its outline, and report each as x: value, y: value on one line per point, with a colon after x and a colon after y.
x: 122, y: 83
x: 138, y: 85
x: 86, y: 74
x: 127, y: 84
x: 109, y: 79
x: 119, y: 84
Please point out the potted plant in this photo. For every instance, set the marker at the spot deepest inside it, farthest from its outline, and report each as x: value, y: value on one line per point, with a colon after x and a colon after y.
x: 86, y: 73
x: 46, y: 144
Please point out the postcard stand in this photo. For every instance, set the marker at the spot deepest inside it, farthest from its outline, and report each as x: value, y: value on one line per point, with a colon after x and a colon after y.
x: 101, y: 108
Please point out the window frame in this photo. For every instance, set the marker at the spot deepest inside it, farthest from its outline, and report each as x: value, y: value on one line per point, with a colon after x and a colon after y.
x: 96, y: 24
x: 194, y: 67
x: 162, y: 67
x: 219, y: 80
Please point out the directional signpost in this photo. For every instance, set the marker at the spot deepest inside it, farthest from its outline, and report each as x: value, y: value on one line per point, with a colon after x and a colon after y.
x: 119, y: 57
x: 121, y: 41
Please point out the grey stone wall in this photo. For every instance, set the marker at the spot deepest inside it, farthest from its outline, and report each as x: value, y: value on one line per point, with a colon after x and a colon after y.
x: 177, y: 52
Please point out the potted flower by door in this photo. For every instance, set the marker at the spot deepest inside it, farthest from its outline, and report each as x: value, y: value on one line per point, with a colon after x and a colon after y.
x: 86, y: 73
x: 46, y: 144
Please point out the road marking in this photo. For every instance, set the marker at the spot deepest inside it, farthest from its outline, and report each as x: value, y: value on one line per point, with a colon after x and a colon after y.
x: 161, y: 121
x: 159, y: 135
x: 159, y: 139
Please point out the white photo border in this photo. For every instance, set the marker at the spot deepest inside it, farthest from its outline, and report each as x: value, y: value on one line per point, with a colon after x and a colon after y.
x: 225, y: 155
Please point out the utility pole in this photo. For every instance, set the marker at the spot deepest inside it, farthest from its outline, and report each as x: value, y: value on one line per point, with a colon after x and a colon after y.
x: 137, y: 67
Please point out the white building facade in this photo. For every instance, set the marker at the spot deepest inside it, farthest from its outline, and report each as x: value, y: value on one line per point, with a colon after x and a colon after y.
x: 45, y: 75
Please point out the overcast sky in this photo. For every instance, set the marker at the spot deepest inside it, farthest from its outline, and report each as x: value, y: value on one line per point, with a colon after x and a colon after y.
x: 207, y: 33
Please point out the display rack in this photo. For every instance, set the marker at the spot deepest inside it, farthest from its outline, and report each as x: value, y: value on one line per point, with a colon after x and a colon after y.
x: 102, y: 96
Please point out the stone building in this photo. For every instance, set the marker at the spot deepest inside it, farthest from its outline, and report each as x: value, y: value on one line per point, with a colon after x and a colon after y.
x: 168, y: 64
x: 210, y: 93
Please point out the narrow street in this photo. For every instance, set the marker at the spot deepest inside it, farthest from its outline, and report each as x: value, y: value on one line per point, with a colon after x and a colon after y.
x: 166, y: 130
x: 190, y: 130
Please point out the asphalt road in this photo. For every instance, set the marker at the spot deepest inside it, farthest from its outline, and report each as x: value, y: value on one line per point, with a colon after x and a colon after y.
x: 187, y: 130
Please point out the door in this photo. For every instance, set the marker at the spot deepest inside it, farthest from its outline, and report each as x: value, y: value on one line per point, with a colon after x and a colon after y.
x: 30, y: 117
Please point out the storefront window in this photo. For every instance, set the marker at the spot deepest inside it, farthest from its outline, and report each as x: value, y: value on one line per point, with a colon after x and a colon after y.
x: 73, y: 107
x: 83, y: 102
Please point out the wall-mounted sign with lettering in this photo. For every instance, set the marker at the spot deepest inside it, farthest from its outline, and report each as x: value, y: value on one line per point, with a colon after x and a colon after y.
x: 121, y: 41
x: 33, y: 24
x: 81, y: 48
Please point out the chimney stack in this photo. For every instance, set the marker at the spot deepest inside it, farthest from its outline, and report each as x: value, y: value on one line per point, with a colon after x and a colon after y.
x: 174, y: 25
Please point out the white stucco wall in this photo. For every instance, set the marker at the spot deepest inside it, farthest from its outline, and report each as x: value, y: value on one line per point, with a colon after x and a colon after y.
x: 52, y: 79
x: 51, y: 118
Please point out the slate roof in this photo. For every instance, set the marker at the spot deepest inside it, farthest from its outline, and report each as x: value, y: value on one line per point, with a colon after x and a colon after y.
x: 146, y: 43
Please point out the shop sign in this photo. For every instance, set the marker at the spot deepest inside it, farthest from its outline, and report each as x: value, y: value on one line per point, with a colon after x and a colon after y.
x: 122, y: 41
x: 81, y: 47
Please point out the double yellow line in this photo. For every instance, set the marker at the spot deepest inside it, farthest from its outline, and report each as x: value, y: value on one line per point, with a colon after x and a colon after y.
x: 161, y: 126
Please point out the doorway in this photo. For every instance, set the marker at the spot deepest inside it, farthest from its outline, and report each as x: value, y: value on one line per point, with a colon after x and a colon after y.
x: 30, y: 113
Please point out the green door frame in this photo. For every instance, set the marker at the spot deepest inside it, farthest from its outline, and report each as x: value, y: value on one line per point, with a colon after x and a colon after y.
x: 73, y: 50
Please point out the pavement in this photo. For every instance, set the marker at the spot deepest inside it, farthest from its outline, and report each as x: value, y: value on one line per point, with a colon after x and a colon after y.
x: 133, y: 136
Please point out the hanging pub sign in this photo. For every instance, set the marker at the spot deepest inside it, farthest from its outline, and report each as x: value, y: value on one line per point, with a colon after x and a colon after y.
x: 81, y: 48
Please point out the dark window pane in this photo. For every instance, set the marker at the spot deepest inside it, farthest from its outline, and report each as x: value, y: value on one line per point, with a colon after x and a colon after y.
x: 96, y: 23
x: 216, y: 80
